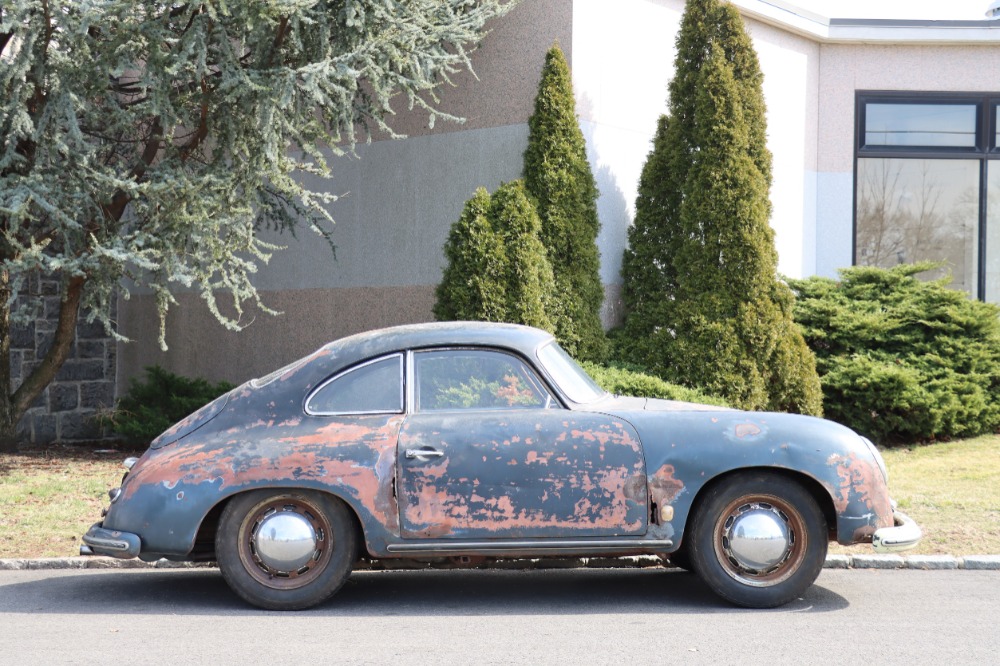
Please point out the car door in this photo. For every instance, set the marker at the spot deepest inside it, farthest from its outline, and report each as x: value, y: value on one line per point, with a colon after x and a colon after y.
x: 487, y: 451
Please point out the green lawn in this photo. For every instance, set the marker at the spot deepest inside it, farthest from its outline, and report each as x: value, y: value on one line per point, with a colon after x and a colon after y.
x: 48, y: 499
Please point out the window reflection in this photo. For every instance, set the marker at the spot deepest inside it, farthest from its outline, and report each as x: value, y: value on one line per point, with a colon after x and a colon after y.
x: 373, y: 387
x: 931, y: 125
x: 911, y: 210
x: 993, y: 232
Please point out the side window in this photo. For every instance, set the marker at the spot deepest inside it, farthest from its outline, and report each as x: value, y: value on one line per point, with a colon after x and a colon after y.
x: 476, y: 379
x: 374, y: 387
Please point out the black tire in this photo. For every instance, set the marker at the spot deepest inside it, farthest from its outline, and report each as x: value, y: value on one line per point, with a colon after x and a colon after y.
x: 680, y: 558
x: 322, y: 520
x: 726, y: 562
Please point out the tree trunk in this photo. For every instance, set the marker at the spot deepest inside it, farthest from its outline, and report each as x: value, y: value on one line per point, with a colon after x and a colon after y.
x: 13, y: 405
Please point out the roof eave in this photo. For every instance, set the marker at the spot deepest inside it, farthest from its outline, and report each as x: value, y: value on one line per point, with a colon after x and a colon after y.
x: 792, y: 19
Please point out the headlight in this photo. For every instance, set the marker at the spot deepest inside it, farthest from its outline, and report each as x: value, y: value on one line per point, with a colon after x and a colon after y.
x: 878, y: 458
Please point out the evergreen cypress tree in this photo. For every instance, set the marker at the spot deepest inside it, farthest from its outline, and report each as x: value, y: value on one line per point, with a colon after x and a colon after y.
x: 705, y: 306
x: 497, y: 268
x: 558, y: 176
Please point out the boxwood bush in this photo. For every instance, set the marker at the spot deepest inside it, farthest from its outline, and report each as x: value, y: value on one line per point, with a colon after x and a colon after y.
x: 901, y: 359
x: 622, y: 379
x: 159, y: 400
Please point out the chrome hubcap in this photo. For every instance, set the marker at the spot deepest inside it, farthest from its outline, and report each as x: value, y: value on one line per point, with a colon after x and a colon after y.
x: 757, y: 538
x: 284, y: 541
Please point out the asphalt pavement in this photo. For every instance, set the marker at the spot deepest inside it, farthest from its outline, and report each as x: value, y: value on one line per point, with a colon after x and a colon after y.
x: 575, y: 616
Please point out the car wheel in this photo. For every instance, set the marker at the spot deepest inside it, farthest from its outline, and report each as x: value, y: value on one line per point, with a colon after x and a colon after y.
x: 758, y: 539
x: 285, y: 550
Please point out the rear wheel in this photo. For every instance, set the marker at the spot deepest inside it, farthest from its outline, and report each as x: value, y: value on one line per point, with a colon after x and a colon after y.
x: 758, y: 539
x: 285, y: 550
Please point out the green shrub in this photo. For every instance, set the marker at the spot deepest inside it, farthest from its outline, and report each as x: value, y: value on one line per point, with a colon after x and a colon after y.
x: 497, y: 267
x: 622, y: 379
x: 901, y: 359
x: 472, y: 286
x: 158, y: 401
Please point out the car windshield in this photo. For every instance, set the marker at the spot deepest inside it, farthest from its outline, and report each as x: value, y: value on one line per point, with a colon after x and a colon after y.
x: 568, y: 375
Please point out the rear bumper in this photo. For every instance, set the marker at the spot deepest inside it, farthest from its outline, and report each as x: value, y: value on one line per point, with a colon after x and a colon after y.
x: 99, y: 541
x: 903, y: 535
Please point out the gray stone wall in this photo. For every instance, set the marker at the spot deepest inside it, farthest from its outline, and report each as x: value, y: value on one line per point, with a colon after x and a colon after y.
x: 84, y: 386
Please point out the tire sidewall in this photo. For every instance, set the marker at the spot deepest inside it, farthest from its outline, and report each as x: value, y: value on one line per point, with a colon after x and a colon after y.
x: 326, y: 583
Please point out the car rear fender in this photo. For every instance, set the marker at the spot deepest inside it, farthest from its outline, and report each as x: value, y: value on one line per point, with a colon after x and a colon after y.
x: 170, y: 492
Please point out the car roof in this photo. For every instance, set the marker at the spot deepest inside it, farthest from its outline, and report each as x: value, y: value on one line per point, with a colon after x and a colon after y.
x: 522, y: 339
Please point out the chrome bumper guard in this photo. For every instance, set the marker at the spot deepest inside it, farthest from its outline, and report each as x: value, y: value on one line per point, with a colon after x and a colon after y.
x: 905, y: 534
x: 99, y: 541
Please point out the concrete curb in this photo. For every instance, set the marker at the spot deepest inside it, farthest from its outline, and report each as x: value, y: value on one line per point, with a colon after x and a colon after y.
x: 914, y: 562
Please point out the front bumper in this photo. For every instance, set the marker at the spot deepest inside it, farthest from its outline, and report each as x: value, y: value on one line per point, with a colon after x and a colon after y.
x: 903, y: 535
x: 100, y: 541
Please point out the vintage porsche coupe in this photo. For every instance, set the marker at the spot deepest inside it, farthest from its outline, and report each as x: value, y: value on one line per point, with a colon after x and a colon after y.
x: 455, y: 442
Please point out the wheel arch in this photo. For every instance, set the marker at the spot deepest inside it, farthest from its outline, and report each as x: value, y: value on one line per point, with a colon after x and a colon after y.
x: 204, y: 543
x: 809, y: 483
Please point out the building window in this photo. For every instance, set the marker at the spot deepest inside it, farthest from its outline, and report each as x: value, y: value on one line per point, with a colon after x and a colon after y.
x: 927, y: 185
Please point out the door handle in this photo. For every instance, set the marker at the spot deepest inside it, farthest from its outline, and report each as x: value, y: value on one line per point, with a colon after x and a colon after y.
x: 423, y: 453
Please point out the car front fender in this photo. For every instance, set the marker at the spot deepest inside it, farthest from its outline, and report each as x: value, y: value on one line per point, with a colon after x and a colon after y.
x: 685, y: 451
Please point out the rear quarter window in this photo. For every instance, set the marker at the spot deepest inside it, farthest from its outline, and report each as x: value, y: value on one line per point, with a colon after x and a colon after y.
x: 374, y: 387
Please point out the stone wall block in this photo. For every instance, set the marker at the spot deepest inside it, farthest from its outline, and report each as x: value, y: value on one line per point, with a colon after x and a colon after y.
x: 52, y: 305
x: 23, y: 337
x: 64, y: 397
x: 43, y: 342
x: 97, y: 395
x: 90, y: 331
x: 15, y: 368
x: 48, y: 287
x: 91, y: 349
x: 85, y: 385
x: 44, y: 428
x: 81, y: 370
x: 79, y: 425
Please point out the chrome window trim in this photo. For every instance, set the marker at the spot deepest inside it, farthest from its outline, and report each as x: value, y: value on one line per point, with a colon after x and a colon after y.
x: 541, y: 379
x: 402, y: 392
x: 410, y: 383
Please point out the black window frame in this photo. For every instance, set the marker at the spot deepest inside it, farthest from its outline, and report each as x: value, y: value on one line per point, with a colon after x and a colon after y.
x: 985, y: 151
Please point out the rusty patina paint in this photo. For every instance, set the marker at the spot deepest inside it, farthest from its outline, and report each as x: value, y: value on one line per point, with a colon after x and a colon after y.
x: 583, y: 477
x: 664, y: 487
x: 743, y: 430
x: 351, y: 457
x: 862, y: 492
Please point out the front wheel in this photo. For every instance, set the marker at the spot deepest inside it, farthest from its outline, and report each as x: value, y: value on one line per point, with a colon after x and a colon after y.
x: 758, y: 539
x: 285, y: 550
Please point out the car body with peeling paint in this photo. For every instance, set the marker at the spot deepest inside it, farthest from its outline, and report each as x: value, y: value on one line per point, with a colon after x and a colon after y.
x: 455, y: 442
